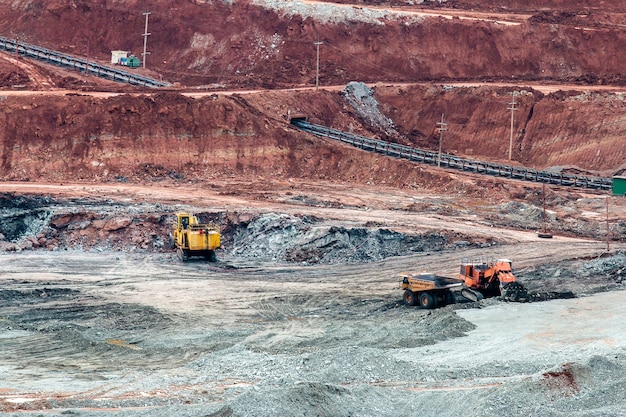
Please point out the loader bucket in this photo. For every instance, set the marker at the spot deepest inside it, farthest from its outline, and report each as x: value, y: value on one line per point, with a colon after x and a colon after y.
x: 514, y: 291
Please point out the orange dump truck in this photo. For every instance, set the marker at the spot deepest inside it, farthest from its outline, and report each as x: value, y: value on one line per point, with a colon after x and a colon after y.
x: 428, y: 290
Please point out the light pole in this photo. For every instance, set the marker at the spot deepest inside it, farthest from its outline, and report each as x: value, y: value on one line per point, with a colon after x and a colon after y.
x: 442, y: 128
x: 317, y: 71
x: 512, y: 108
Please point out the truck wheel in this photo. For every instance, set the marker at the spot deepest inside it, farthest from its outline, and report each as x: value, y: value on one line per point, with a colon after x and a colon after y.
x: 409, y: 298
x: 426, y: 301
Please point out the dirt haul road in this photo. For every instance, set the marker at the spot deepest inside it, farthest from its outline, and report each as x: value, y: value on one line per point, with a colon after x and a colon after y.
x: 138, y: 333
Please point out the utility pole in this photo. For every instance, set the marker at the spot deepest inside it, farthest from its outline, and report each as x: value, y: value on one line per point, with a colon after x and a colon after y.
x: 317, y: 72
x: 544, y: 234
x: 145, y: 40
x: 512, y: 108
x: 608, y: 228
x: 442, y: 128
x: 543, y: 193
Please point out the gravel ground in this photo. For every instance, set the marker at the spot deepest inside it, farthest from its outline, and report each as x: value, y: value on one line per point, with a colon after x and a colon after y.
x: 302, y: 313
x: 86, y: 334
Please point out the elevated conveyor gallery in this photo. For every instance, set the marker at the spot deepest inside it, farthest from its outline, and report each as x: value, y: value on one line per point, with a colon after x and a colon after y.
x: 454, y: 162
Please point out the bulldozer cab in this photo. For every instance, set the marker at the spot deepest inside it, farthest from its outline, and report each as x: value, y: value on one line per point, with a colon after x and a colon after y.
x: 184, y: 222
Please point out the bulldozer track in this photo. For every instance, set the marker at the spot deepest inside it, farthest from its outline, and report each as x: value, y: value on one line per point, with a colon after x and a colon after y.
x: 454, y: 162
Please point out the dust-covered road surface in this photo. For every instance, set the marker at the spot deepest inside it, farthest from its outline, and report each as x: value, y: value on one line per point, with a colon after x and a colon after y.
x: 123, y: 334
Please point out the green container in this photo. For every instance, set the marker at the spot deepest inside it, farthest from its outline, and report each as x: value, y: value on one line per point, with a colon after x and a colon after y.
x: 619, y: 185
x: 132, y: 61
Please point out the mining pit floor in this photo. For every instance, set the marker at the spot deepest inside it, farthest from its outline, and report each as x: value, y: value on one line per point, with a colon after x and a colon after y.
x: 95, y: 331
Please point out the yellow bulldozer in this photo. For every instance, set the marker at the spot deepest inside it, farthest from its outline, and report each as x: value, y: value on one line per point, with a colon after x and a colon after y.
x: 191, y: 238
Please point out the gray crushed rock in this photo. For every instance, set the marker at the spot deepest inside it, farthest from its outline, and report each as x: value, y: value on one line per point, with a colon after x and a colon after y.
x: 334, y: 13
x: 286, y: 238
x: 361, y: 99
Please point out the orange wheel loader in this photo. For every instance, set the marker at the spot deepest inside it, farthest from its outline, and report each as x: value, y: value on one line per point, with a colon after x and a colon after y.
x: 491, y: 279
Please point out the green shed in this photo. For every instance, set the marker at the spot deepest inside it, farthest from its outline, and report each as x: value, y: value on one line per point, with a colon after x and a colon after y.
x: 619, y: 185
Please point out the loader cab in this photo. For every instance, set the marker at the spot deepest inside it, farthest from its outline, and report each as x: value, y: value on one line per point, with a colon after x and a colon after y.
x: 182, y: 221
x: 504, y: 265
x: 473, y: 270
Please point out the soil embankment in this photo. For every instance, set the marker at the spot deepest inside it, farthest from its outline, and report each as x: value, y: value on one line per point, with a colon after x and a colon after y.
x: 130, y: 138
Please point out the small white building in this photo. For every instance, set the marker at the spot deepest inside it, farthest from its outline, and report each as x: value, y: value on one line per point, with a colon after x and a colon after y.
x: 117, y: 55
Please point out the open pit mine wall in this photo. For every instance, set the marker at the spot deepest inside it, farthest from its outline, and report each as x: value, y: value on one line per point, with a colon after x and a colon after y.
x: 161, y: 136
x: 571, y: 128
x: 262, y: 46
x: 169, y: 135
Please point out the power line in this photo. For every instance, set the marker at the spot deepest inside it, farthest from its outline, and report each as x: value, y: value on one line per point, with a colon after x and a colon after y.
x: 370, y: 64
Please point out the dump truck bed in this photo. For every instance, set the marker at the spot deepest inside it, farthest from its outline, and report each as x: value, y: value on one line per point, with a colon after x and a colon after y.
x: 428, y: 290
x: 428, y: 281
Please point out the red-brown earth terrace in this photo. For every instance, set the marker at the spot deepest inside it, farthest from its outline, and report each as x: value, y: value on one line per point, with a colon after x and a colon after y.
x: 86, y: 138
